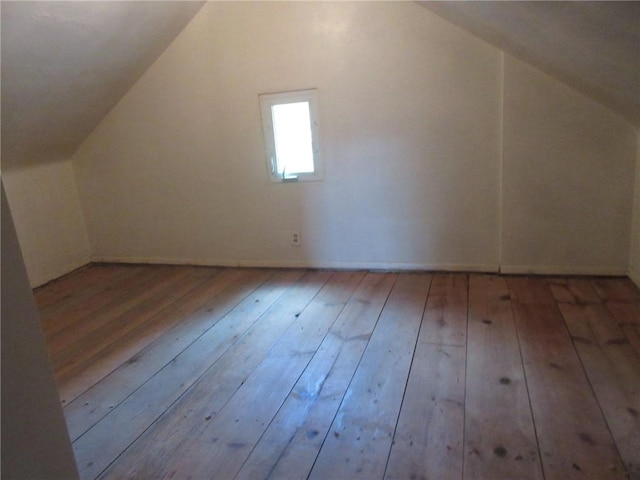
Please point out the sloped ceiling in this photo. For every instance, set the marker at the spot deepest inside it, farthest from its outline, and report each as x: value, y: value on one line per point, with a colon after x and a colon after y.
x: 592, y: 46
x: 66, y: 64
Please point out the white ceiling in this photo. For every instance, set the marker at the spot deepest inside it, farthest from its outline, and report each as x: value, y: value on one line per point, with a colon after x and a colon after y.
x: 592, y: 46
x: 65, y: 64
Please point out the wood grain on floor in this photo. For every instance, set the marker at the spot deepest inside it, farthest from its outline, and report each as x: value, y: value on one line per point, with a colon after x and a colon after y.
x: 193, y: 372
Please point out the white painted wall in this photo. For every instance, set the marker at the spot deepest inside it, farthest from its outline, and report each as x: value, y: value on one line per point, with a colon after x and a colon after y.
x: 634, y: 254
x: 567, y: 178
x: 414, y: 135
x: 50, y: 224
x: 35, y: 441
x: 410, y: 116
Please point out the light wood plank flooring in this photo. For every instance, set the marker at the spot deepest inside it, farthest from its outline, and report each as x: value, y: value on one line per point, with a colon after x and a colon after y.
x: 169, y: 372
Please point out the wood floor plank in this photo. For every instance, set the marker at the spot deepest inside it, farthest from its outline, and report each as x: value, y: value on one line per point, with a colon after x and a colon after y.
x: 360, y: 436
x: 616, y: 290
x: 529, y: 290
x: 572, y: 433
x: 85, y: 302
x: 428, y: 441
x: 500, y: 439
x: 78, y: 355
x: 632, y: 333
x: 448, y: 310
x: 573, y: 290
x: 126, y: 297
x: 291, y: 444
x: 219, y: 450
x: 132, y: 353
x: 73, y: 284
x: 234, y: 295
x: 194, y: 372
x: 627, y: 315
x: 613, y: 369
x: 128, y: 345
x: 221, y: 361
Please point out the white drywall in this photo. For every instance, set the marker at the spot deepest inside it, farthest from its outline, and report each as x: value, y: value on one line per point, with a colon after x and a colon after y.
x: 35, y: 441
x: 410, y: 111
x: 425, y: 165
x: 567, y: 178
x: 634, y: 254
x: 49, y: 220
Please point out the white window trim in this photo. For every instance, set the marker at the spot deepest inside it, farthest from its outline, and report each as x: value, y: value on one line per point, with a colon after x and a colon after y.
x: 266, y: 102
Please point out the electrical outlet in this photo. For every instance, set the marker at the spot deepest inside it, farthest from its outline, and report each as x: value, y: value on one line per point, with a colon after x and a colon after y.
x: 295, y: 238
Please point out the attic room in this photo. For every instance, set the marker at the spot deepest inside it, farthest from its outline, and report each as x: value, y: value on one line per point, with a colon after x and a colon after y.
x: 450, y: 290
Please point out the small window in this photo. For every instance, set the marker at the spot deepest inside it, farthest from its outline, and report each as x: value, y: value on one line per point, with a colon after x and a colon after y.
x: 291, y: 135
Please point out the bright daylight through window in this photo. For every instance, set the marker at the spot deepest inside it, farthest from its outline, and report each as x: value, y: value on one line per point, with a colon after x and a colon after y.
x: 291, y: 134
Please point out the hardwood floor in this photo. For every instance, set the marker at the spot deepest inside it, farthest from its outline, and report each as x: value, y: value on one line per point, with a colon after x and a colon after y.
x: 188, y: 372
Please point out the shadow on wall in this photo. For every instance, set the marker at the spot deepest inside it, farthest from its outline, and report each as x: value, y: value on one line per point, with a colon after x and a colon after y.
x: 35, y: 441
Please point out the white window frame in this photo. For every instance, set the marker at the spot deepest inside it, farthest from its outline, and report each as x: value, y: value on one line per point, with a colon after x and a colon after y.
x: 267, y: 101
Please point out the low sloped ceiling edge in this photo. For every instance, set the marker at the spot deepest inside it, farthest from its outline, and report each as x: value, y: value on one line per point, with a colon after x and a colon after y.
x: 594, y: 47
x: 65, y: 65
